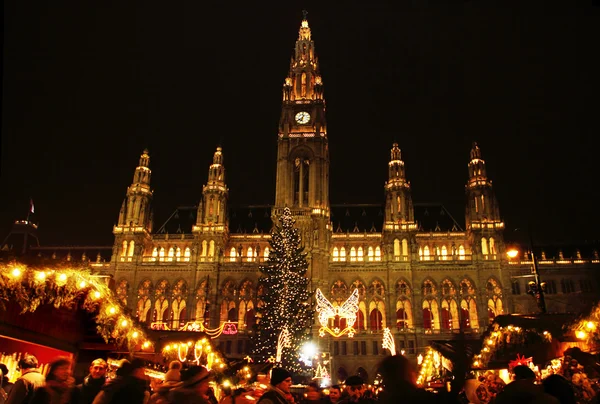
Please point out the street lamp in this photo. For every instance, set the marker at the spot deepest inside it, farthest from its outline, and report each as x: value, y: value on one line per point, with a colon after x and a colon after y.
x: 536, y: 288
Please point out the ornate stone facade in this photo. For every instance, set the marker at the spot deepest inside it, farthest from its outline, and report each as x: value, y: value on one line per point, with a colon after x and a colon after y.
x: 418, y: 271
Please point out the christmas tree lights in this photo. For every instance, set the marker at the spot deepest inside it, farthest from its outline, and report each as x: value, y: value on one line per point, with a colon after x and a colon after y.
x: 283, y: 297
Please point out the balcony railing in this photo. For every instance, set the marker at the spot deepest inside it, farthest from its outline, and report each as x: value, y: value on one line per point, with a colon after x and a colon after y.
x: 445, y: 258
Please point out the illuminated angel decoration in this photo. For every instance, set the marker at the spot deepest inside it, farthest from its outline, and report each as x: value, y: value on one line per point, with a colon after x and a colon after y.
x: 346, y: 311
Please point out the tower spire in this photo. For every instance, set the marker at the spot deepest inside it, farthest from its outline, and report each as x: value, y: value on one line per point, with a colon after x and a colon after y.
x: 482, y: 207
x: 477, y: 172
x: 399, y: 207
x: 213, y: 207
x: 304, y: 82
x: 135, y: 210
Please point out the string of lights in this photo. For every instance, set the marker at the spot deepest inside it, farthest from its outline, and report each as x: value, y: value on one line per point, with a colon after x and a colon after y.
x: 68, y: 287
x: 283, y: 297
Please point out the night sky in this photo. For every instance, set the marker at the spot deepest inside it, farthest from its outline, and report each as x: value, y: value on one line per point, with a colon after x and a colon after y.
x: 87, y: 86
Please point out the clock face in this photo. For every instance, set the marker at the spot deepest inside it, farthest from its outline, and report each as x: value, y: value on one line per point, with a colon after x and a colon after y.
x: 302, y: 117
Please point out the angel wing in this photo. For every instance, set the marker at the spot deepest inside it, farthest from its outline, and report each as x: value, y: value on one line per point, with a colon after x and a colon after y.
x: 324, y: 308
x: 349, y: 308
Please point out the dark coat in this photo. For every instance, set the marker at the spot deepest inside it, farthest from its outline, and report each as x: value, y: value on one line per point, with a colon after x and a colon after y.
x: 85, y: 392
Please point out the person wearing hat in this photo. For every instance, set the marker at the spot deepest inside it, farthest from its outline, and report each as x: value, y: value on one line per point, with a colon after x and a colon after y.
x: 129, y: 387
x: 172, y: 380
x: 355, y: 391
x: 281, y: 380
x: 194, y: 386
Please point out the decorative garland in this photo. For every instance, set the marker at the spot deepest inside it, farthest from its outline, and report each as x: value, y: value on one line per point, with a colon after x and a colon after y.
x: 430, y: 366
x: 587, y: 327
x: 503, y: 335
x: 201, y: 352
x: 66, y: 287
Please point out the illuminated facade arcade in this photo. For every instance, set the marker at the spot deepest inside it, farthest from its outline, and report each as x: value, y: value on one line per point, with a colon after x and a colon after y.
x: 417, y: 270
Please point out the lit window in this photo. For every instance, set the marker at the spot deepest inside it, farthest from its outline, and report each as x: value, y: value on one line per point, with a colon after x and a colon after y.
x: 171, y: 254
x: 396, y: 247
x: 370, y: 253
x: 336, y: 254
x: 266, y: 253
x: 352, y: 254
x: 426, y: 253
x: 461, y: 252
x: 377, y: 253
x: 484, y: 246
x: 131, y: 248
x: 178, y: 254
x: 343, y: 254
x: 444, y: 252
x: 187, y: 254
x: 360, y: 253
x: 232, y: 254
x: 249, y: 254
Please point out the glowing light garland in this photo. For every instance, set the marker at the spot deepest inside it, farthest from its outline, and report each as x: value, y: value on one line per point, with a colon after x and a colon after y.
x: 68, y: 287
x: 430, y: 366
x: 226, y: 327
x: 202, y: 351
x: 346, y: 311
x: 388, y: 341
x: 587, y: 327
x: 509, y: 335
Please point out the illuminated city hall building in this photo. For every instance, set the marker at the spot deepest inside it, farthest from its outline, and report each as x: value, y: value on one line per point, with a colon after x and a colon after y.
x: 417, y: 270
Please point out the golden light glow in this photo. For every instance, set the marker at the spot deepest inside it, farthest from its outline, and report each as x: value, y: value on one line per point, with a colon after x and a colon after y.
x: 590, y: 325
x: 146, y: 344
x: 581, y: 334
x: 99, y: 300
x: 512, y: 253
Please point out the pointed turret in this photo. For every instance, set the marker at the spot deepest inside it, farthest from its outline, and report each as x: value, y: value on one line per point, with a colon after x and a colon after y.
x: 136, y: 208
x: 212, y: 210
x: 482, y: 211
x: 135, y: 217
x: 304, y: 82
x: 399, y: 207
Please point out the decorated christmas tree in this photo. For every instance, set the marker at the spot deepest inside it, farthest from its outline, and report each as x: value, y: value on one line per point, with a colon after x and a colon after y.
x: 284, y: 296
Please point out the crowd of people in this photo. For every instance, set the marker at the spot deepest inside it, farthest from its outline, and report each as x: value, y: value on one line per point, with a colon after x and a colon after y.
x: 191, y: 385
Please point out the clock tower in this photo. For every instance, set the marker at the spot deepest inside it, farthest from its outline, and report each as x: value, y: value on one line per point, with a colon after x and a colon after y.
x: 303, y: 154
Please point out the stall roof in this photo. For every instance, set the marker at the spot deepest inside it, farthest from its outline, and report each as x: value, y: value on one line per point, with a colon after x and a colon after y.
x: 553, y: 322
